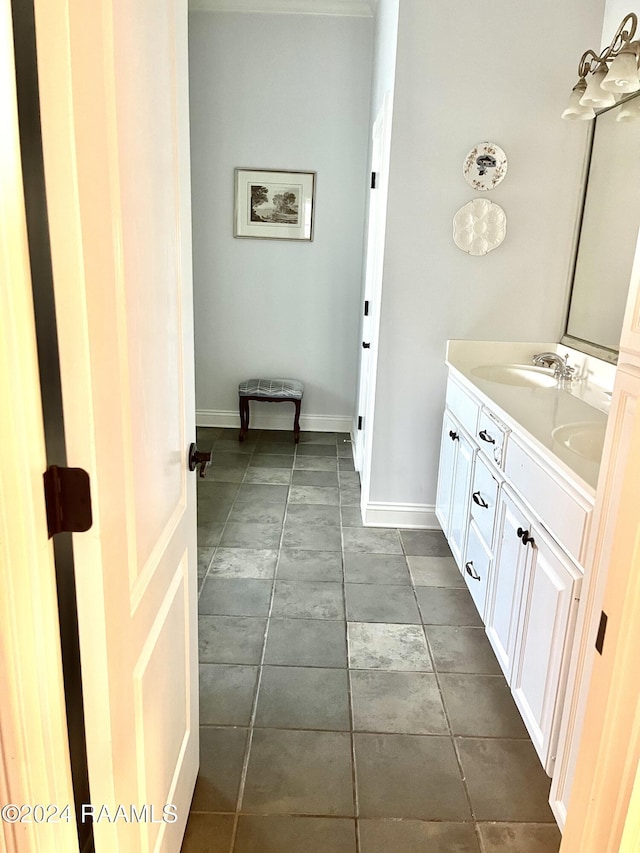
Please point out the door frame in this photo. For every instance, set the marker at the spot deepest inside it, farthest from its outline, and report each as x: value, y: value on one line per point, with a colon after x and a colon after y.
x: 373, y: 291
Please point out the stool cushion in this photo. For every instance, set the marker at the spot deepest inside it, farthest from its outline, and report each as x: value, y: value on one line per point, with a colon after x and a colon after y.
x: 286, y: 389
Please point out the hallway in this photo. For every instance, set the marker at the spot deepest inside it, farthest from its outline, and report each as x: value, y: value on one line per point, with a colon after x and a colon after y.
x: 349, y: 699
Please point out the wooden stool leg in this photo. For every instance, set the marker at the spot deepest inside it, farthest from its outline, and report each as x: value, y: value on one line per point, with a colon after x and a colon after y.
x: 296, y: 422
x: 244, y: 418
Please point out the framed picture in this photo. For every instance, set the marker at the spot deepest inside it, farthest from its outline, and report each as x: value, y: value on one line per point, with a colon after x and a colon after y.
x: 274, y: 205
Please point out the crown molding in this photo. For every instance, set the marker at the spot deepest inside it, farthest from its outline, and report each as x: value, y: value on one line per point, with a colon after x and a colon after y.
x: 348, y: 8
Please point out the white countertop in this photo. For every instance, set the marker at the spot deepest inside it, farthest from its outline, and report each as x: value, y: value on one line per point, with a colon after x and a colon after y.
x: 539, y: 411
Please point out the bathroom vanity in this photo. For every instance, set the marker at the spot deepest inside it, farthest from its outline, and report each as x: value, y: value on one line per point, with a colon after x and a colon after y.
x: 519, y: 463
x: 538, y: 496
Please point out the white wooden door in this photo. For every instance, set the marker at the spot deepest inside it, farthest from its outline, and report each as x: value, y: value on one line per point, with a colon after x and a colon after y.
x: 630, y: 338
x: 548, y: 615
x: 510, y: 569
x: 618, y: 462
x: 604, y: 751
x: 34, y: 754
x: 113, y: 89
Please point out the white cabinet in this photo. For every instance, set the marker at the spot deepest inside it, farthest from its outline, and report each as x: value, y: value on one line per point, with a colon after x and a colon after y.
x: 454, y: 481
x: 477, y: 567
x: 509, y: 571
x: 446, y: 472
x: 530, y: 620
x: 484, y: 496
x: 524, y: 583
x: 460, y: 495
x: 547, y: 623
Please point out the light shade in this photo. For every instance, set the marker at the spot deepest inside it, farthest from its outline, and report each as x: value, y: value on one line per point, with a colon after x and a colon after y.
x: 623, y: 74
x: 595, y: 96
x: 629, y: 111
x: 575, y: 110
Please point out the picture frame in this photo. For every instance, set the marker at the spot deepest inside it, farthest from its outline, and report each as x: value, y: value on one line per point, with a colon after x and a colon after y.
x: 274, y: 204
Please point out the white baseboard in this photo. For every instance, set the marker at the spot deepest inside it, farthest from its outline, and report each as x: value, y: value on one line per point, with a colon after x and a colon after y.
x: 268, y: 420
x: 418, y: 516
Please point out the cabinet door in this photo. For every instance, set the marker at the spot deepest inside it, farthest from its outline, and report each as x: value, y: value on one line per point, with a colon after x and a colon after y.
x: 547, y: 624
x: 446, y: 471
x: 460, y: 497
x: 511, y: 562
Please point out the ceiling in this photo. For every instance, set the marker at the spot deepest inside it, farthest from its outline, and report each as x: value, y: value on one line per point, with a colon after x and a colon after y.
x: 351, y: 8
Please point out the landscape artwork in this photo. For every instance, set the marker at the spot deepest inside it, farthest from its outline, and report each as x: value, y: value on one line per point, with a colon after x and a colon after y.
x: 274, y: 205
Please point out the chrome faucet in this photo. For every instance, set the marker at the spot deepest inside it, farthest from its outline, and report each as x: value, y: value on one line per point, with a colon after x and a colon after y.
x: 561, y: 370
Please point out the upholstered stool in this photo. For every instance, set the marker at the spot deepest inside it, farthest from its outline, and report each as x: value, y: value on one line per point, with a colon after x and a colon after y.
x: 270, y: 391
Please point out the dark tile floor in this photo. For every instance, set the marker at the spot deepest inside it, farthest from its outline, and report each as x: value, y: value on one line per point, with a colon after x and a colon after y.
x: 349, y: 699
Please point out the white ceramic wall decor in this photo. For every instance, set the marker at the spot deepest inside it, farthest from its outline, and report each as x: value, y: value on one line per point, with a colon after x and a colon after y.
x: 485, y: 166
x: 479, y: 226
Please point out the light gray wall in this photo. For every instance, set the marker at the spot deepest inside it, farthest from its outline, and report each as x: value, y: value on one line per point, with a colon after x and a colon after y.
x: 615, y: 11
x: 282, y: 92
x: 465, y: 75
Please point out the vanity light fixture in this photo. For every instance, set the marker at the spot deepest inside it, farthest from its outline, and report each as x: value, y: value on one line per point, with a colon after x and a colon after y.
x: 630, y: 111
x: 595, y: 96
x: 576, y: 110
x: 614, y: 72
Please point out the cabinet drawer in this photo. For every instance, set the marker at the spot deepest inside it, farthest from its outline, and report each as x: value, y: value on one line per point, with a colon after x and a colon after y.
x: 491, y: 435
x: 477, y: 564
x: 484, y: 496
x: 462, y: 406
x: 563, y: 513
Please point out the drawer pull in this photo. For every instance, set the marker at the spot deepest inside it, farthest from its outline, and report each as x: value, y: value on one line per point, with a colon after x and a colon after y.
x: 453, y: 435
x: 526, y: 538
x: 478, y: 499
x: 471, y: 570
x: 484, y: 435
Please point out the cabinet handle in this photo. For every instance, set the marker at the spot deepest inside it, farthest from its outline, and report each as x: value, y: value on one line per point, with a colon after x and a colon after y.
x: 453, y: 435
x: 471, y: 570
x: 484, y: 435
x: 526, y: 538
x: 478, y: 499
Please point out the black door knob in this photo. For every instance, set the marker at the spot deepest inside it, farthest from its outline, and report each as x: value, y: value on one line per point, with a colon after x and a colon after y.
x: 198, y: 458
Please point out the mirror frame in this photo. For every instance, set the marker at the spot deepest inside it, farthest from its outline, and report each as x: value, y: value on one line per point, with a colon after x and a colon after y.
x: 588, y: 347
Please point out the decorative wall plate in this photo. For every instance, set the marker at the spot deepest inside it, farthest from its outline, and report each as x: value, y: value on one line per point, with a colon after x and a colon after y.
x: 485, y: 166
x: 479, y: 227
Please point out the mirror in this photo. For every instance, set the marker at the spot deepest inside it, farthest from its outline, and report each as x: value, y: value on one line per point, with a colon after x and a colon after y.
x: 607, y: 234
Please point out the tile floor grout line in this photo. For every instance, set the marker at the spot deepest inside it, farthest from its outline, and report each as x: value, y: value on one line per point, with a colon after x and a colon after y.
x: 444, y: 705
x: 442, y: 699
x: 254, y: 707
x: 479, y: 838
x: 206, y: 575
x: 224, y: 524
x: 354, y: 767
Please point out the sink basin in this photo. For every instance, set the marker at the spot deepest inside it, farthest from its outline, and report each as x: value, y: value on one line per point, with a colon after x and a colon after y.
x: 526, y: 375
x: 585, y: 439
